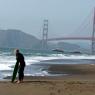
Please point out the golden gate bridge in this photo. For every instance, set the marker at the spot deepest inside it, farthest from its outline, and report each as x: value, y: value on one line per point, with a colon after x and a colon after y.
x: 45, y: 38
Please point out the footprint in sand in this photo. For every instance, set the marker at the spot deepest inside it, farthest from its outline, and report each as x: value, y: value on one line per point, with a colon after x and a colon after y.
x: 52, y: 93
x: 59, y: 91
x: 51, y: 88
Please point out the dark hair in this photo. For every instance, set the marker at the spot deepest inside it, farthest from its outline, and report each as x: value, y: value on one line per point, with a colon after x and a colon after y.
x: 17, y: 50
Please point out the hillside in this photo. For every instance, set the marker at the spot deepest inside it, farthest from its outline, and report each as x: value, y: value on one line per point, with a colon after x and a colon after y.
x: 12, y: 38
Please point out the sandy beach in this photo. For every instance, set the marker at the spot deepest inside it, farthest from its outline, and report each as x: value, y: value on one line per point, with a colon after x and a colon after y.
x: 82, y: 83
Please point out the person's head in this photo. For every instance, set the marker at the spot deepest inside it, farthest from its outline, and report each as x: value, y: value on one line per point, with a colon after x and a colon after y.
x: 16, y: 51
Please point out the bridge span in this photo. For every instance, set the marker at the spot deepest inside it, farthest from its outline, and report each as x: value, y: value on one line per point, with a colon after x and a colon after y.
x: 91, y: 37
x: 71, y: 38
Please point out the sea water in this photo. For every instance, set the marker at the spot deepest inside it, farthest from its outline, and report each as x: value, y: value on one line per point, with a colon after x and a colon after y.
x: 38, y: 62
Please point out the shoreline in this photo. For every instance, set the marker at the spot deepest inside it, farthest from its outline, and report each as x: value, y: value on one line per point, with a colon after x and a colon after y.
x: 67, y: 85
x: 64, y: 70
x: 72, y: 69
x: 82, y: 82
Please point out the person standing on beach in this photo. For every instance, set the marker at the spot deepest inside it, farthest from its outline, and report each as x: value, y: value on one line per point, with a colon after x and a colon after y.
x: 20, y: 60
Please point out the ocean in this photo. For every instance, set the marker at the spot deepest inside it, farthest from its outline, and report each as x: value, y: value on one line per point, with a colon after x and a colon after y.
x: 38, y: 62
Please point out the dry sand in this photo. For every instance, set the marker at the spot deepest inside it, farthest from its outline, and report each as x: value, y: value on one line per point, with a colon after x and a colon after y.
x: 76, y: 84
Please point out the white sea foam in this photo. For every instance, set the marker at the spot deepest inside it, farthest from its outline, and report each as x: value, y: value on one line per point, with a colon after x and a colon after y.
x: 60, y: 56
x: 6, y: 61
x: 43, y: 73
x: 5, y: 67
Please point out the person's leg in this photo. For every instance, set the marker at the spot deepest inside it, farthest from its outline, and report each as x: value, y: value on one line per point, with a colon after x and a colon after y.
x: 21, y: 74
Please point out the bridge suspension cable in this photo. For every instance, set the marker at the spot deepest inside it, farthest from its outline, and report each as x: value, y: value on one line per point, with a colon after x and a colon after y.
x: 82, y: 29
x: 93, y: 34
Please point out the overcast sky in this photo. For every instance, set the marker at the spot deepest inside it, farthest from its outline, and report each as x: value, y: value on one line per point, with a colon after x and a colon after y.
x: 27, y: 15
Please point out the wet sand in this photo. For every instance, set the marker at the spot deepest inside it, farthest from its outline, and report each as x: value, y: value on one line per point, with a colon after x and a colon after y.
x: 80, y: 83
x: 72, y: 69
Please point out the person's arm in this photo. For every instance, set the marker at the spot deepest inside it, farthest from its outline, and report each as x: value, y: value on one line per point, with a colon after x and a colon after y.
x: 17, y: 60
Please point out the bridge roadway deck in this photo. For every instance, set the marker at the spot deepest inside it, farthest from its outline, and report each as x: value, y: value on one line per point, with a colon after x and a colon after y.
x: 71, y: 38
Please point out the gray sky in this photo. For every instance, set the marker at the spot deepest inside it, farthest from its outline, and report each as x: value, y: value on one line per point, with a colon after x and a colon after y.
x: 64, y: 16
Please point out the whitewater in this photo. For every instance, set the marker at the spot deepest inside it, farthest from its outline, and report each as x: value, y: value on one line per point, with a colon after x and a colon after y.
x: 36, y: 63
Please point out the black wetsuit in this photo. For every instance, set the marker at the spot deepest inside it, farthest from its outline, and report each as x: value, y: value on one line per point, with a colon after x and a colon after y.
x: 20, y: 60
